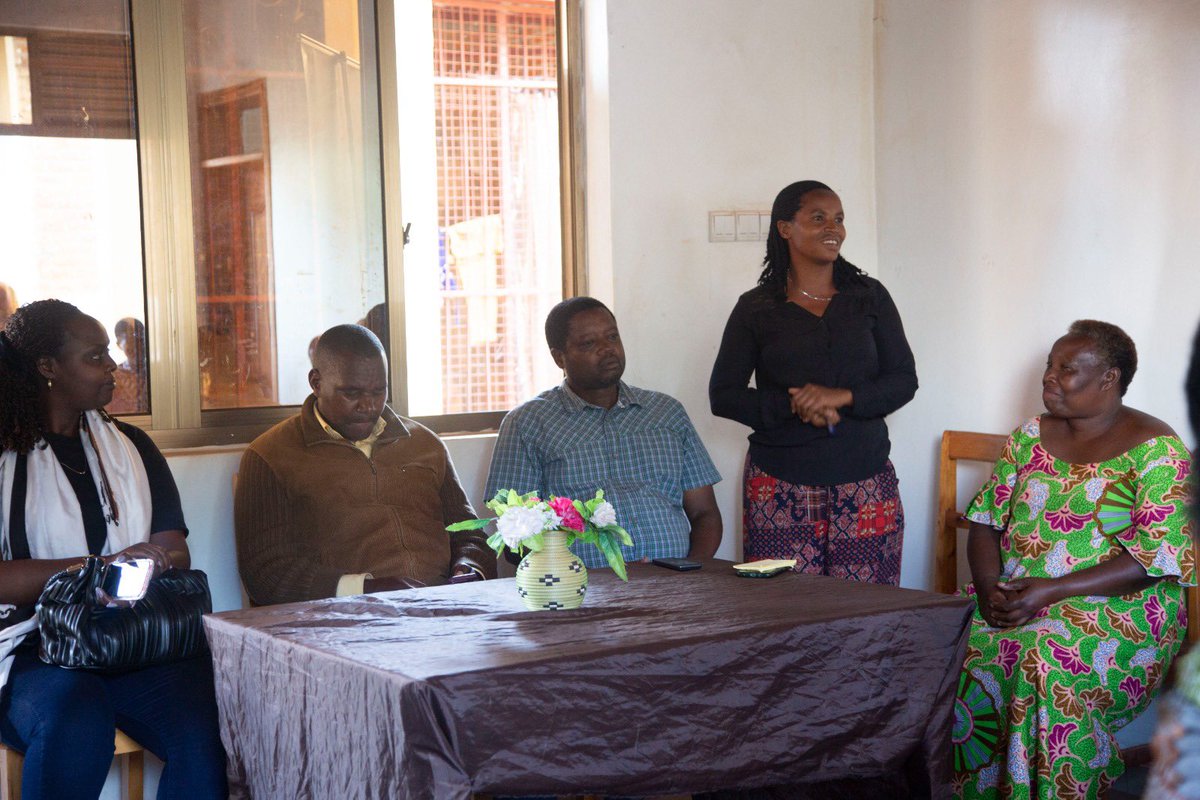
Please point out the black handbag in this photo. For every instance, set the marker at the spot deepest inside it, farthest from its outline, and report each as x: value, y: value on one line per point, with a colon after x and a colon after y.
x: 78, y: 632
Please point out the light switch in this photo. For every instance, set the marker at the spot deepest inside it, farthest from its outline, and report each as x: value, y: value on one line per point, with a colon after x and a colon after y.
x: 721, y: 226
x: 747, y: 226
x: 764, y: 226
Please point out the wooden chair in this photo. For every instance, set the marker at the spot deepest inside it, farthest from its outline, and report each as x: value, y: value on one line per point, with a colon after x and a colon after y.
x: 124, y: 748
x: 985, y: 447
x: 956, y: 446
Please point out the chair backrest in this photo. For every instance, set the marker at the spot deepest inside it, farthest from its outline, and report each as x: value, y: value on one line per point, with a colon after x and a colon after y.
x: 986, y: 447
x: 956, y: 446
x: 1192, y: 598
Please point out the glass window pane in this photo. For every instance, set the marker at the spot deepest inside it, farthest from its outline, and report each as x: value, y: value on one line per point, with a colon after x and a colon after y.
x: 284, y: 131
x: 480, y: 181
x: 16, y: 99
x: 70, y: 207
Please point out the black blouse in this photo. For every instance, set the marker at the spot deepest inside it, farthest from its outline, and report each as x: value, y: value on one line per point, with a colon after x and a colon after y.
x: 858, y: 344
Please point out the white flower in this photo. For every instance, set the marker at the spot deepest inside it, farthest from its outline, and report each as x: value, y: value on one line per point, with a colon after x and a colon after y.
x: 604, y: 515
x: 517, y: 524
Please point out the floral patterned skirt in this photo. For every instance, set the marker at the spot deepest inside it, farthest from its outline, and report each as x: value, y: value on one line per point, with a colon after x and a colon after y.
x: 848, y: 530
x: 1039, y: 704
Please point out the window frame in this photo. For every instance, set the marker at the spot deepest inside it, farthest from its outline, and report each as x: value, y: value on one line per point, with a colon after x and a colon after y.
x: 177, y: 419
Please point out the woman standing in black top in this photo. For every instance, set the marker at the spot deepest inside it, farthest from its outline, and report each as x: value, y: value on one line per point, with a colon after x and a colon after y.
x: 826, y: 347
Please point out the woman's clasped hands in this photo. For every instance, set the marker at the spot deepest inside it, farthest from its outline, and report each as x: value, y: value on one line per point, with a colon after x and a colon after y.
x: 1013, y: 602
x: 818, y: 405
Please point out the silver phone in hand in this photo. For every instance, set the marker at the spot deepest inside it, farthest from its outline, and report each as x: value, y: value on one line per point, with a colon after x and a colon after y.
x: 128, y: 580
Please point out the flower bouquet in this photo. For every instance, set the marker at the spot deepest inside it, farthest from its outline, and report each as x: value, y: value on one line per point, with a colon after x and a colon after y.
x: 550, y: 576
x: 524, y: 520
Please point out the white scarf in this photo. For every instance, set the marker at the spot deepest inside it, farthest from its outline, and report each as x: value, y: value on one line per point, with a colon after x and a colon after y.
x: 53, y: 520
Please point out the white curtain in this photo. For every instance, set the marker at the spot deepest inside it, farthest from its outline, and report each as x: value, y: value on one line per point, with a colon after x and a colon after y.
x: 333, y: 90
x: 532, y: 232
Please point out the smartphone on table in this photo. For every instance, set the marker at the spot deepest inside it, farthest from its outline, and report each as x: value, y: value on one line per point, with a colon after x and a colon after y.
x: 677, y: 564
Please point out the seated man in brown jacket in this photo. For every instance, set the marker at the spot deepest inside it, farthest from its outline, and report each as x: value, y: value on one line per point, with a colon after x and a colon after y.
x: 347, y: 497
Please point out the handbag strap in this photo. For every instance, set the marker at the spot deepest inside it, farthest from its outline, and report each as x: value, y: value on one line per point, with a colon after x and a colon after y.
x: 18, y: 541
x: 17, y: 538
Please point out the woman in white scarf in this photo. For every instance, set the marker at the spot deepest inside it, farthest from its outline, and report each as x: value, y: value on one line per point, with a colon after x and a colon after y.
x: 75, y: 482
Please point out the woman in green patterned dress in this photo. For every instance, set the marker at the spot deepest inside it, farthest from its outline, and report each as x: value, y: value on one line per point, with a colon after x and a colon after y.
x: 1079, y: 547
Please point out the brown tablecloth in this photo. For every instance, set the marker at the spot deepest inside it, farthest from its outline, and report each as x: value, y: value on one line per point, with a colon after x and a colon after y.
x: 671, y: 683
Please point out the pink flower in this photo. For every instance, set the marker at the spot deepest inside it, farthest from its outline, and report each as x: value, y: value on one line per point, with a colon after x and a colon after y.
x: 1150, y: 514
x: 1182, y: 469
x: 1065, y: 521
x: 567, y: 513
x: 1010, y: 653
x: 1068, y: 658
x: 1058, y: 739
x: 1156, y: 615
x: 1042, y: 461
x: 1132, y: 687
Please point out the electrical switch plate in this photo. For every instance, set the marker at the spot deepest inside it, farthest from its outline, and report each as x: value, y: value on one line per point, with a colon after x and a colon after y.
x: 721, y: 226
x: 747, y: 226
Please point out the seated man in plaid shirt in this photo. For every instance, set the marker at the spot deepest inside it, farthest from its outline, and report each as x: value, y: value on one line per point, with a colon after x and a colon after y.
x: 596, y: 432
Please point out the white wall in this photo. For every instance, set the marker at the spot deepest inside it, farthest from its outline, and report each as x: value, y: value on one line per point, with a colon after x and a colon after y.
x: 1036, y: 164
x: 717, y: 105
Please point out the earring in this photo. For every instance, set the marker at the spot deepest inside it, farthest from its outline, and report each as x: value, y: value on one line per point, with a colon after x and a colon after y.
x: 49, y: 384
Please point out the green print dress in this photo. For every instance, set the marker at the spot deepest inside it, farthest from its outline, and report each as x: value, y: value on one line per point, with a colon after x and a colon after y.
x: 1038, y: 704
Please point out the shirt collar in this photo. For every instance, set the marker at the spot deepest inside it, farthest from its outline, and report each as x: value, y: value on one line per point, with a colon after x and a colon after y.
x: 626, y: 396
x: 380, y: 424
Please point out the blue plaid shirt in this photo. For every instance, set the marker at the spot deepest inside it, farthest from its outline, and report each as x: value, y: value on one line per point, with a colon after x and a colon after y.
x: 643, y: 452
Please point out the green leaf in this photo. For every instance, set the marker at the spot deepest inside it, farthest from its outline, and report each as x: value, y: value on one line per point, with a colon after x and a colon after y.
x: 469, y: 524
x: 612, y: 554
x: 496, y: 542
x: 535, y: 542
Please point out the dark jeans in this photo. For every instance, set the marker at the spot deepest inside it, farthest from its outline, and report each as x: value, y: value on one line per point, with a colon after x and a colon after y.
x: 64, y: 720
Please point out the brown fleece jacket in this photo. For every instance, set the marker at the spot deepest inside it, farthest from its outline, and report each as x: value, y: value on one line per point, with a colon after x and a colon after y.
x: 310, y: 508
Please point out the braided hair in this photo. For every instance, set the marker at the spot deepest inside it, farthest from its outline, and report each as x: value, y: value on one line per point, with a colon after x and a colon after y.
x: 36, y: 330
x: 777, y: 262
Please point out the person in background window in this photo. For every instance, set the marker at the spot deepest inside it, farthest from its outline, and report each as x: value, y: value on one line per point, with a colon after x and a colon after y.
x: 347, y: 497
x: 376, y: 321
x: 1175, y: 773
x: 8, y: 303
x: 89, y: 485
x: 131, y: 393
x: 826, y: 348
x: 1079, y: 547
x: 596, y: 432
